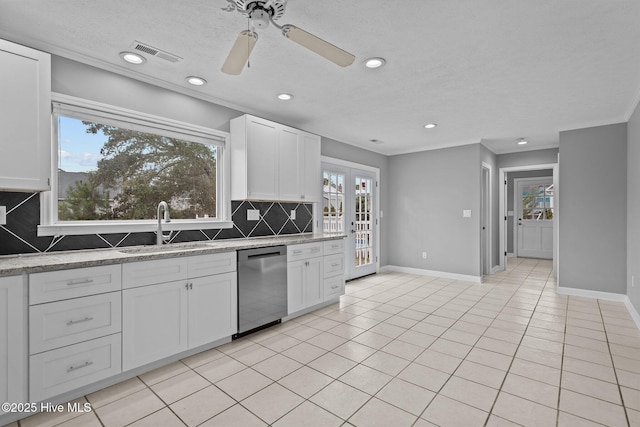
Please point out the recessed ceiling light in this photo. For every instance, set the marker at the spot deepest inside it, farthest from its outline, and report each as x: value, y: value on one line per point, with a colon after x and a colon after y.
x: 374, y: 62
x: 522, y: 141
x: 196, y: 81
x: 430, y: 125
x: 285, y: 96
x: 376, y: 141
x: 132, y: 58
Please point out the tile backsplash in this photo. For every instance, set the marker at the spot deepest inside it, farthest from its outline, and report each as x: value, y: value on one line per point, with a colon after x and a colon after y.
x: 19, y: 235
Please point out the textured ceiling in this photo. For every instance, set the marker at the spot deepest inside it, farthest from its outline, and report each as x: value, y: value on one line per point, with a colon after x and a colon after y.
x: 490, y: 71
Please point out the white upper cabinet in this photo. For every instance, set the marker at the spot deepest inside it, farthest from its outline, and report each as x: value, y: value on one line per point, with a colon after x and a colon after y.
x: 25, y: 118
x: 270, y: 161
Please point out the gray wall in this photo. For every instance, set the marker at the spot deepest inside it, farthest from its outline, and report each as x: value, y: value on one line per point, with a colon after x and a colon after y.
x: 510, y: 204
x: 528, y: 158
x: 429, y: 190
x: 338, y: 150
x: 633, y: 208
x: 593, y: 199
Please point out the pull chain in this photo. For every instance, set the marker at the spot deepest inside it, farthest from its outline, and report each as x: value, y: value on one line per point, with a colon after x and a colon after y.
x: 248, y: 42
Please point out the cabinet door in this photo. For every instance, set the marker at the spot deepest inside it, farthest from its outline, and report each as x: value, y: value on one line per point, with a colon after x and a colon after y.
x: 262, y: 177
x: 212, y: 308
x: 295, y: 284
x: 25, y: 118
x: 310, y: 172
x: 290, y: 165
x: 313, y: 284
x: 154, y: 323
x: 12, y: 340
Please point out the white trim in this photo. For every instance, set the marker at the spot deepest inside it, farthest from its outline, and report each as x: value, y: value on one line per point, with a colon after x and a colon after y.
x: 376, y: 201
x: 489, y: 220
x: 632, y: 311
x: 511, y: 255
x: 495, y: 269
x: 556, y: 216
x: 605, y: 296
x: 422, y: 272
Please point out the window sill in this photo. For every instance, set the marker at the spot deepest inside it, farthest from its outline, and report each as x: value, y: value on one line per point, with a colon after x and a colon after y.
x: 90, y: 227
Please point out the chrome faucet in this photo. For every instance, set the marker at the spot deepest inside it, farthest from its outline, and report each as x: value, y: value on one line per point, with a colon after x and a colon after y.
x: 160, y: 236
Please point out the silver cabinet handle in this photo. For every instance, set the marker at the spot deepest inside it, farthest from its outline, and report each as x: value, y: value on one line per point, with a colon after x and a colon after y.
x: 297, y: 251
x: 79, y: 282
x: 188, y: 286
x: 75, y: 322
x: 315, y: 249
x: 76, y: 367
x: 335, y: 287
x: 334, y: 265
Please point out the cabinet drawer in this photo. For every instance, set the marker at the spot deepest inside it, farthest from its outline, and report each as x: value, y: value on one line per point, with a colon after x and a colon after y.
x: 333, y: 265
x: 333, y: 247
x: 62, y: 323
x: 207, y: 265
x: 68, y: 368
x: 78, y: 282
x: 155, y: 271
x: 304, y: 251
x: 333, y: 287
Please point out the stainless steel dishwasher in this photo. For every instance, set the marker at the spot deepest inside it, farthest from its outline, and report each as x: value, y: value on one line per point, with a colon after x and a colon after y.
x: 262, y: 288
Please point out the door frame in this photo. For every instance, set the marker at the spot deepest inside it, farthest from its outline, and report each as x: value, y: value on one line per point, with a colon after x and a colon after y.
x: 376, y: 202
x: 517, y: 206
x: 556, y: 215
x: 486, y: 218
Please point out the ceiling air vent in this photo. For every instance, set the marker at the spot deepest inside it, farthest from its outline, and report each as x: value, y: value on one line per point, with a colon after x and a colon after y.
x: 141, y: 47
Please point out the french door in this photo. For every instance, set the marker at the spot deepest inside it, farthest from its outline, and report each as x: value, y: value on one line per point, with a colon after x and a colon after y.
x: 349, y: 208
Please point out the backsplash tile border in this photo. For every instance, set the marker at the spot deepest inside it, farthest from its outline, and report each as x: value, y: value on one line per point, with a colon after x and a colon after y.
x: 19, y: 235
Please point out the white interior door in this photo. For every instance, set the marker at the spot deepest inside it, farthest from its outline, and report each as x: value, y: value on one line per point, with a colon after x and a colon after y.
x: 485, y: 219
x: 349, y: 208
x: 535, y: 209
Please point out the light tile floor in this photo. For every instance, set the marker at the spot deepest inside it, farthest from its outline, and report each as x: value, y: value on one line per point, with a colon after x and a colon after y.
x: 404, y: 350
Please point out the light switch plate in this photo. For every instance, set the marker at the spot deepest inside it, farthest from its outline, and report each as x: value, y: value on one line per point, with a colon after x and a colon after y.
x: 3, y: 215
x: 466, y: 213
x: 253, y: 214
x: 293, y: 214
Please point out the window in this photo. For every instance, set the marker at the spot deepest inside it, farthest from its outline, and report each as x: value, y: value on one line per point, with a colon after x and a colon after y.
x: 113, y: 167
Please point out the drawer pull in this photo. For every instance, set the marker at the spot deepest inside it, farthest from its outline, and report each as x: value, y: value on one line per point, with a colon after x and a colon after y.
x: 79, y: 282
x: 335, y: 246
x: 76, y: 367
x: 297, y: 251
x: 335, y: 265
x: 315, y: 249
x: 335, y: 287
x: 75, y: 322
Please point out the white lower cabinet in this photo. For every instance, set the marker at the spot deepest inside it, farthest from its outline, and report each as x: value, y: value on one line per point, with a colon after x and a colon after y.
x: 315, y: 274
x: 13, y: 349
x: 58, y: 371
x: 163, y: 319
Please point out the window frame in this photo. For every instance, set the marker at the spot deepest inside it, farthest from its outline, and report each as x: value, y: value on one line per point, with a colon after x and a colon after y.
x: 91, y: 110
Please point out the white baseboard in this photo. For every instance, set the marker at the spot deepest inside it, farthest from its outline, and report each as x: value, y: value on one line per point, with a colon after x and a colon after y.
x: 607, y: 296
x: 511, y: 255
x: 495, y: 269
x: 422, y: 272
x: 632, y: 311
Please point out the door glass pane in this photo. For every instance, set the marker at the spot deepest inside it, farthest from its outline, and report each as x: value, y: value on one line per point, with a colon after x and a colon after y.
x: 363, y: 221
x: 537, y: 202
x: 333, y: 201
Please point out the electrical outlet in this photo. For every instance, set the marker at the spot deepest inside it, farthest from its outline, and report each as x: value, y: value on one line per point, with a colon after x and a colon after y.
x: 253, y: 215
x: 293, y: 214
x: 3, y: 215
x: 424, y: 255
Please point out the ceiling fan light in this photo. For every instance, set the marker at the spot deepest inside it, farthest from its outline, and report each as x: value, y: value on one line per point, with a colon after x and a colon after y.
x: 240, y: 52
x: 430, y: 125
x: 132, y: 58
x: 374, y: 62
x: 316, y: 44
x: 196, y: 81
x: 522, y: 141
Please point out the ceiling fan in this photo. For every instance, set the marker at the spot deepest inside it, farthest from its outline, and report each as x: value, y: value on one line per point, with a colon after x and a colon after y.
x: 260, y: 14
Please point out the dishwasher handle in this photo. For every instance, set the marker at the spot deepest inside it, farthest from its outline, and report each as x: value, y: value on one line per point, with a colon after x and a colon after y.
x: 257, y: 253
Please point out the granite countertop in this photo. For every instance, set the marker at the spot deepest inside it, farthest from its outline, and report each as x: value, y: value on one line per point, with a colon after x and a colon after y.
x: 34, y: 263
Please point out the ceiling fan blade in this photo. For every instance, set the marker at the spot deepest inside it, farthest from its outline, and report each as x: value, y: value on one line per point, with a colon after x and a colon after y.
x: 240, y: 52
x: 319, y: 46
